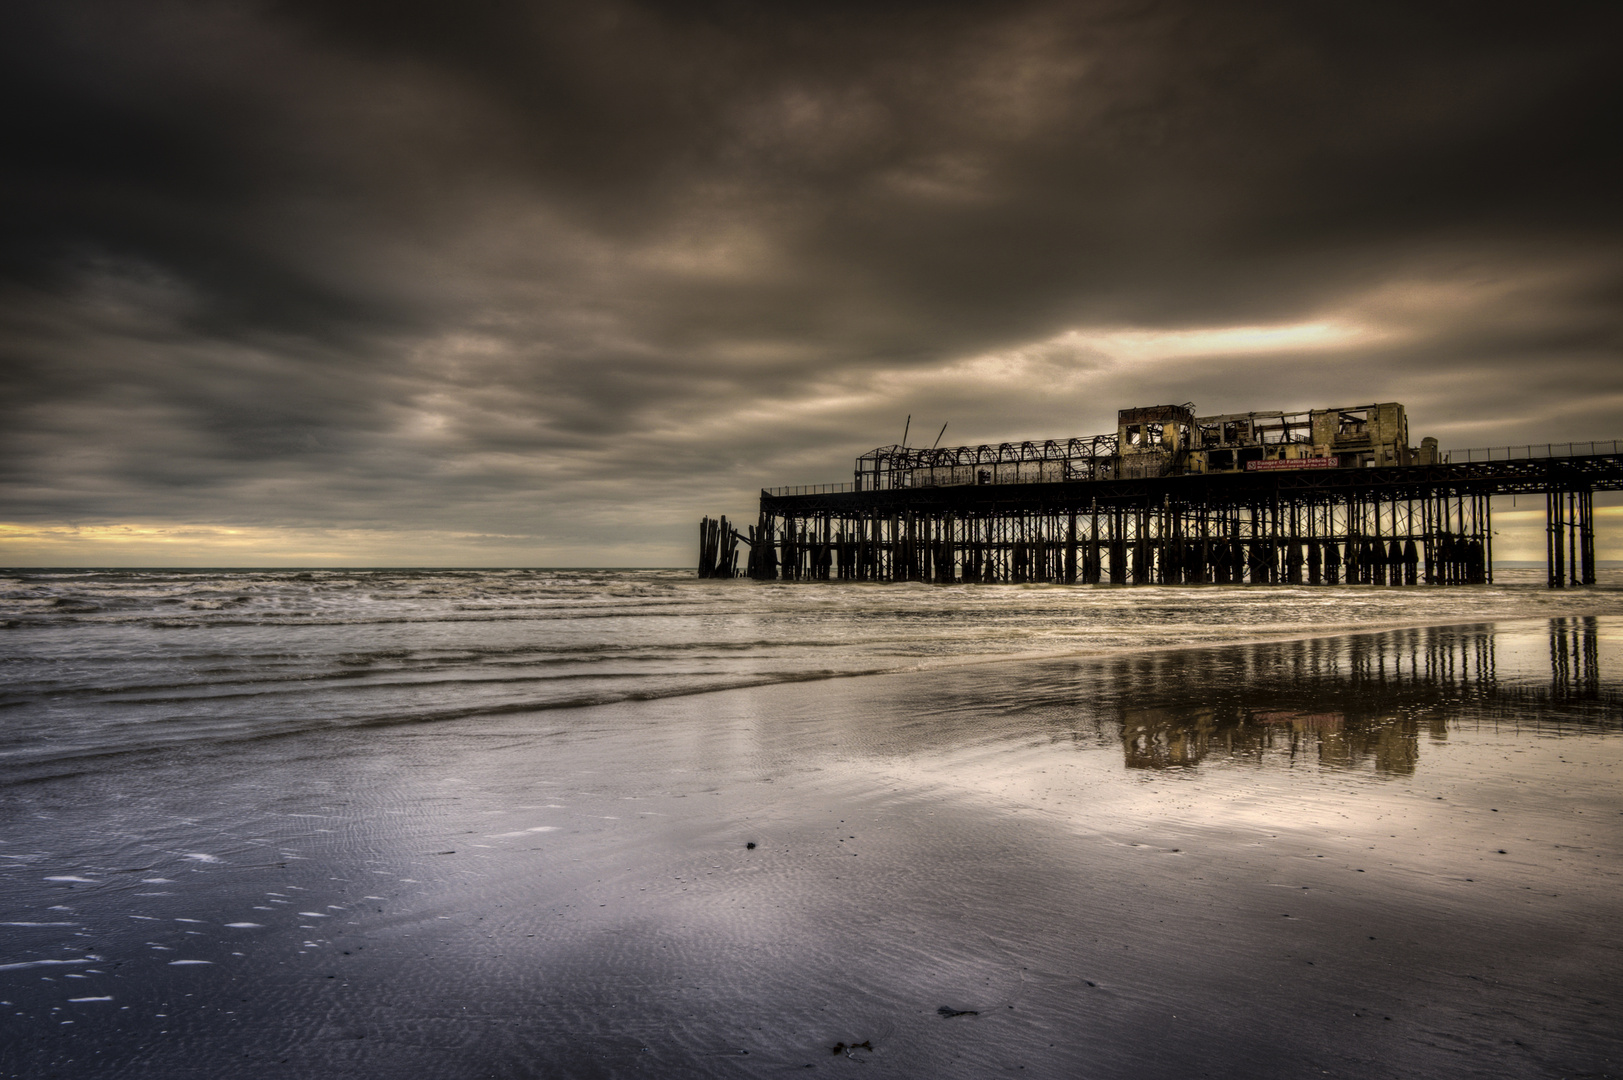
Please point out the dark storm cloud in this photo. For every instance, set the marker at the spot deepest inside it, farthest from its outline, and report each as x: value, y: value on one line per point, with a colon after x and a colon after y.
x: 573, y: 272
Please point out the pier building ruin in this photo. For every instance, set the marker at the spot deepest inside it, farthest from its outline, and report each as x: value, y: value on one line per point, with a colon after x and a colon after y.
x: 1320, y: 496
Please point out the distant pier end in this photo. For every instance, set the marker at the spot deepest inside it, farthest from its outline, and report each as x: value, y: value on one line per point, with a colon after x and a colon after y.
x: 1323, y: 496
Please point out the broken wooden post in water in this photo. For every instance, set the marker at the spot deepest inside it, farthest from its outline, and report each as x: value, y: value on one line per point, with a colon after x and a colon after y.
x: 718, y: 549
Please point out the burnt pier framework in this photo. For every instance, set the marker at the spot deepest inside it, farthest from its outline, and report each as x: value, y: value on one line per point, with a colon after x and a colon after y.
x: 1399, y: 525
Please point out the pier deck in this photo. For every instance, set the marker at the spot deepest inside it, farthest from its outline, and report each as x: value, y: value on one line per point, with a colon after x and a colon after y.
x: 1391, y: 524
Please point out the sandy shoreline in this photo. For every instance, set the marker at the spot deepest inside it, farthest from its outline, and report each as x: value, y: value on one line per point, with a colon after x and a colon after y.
x: 1373, y: 856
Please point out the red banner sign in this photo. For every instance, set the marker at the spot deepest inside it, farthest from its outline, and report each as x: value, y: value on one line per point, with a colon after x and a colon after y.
x: 1293, y: 463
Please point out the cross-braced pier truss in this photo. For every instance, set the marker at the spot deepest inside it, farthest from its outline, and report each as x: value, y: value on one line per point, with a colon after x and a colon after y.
x: 1261, y: 504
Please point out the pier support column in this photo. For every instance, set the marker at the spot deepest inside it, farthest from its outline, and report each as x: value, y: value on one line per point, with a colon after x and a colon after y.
x: 1070, y: 549
x: 1555, y: 547
x: 1586, y: 536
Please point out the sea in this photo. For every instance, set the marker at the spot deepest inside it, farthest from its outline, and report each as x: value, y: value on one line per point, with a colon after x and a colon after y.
x: 571, y: 822
x: 103, y: 663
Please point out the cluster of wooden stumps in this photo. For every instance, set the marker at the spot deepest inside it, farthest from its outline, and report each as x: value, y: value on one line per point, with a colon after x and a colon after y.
x: 1325, y: 539
x: 718, y: 549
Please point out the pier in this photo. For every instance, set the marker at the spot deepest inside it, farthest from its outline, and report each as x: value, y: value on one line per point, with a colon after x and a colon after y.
x: 1321, y: 497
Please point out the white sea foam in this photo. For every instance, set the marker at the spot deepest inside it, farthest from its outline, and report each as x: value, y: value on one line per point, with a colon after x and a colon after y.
x: 39, y: 924
x: 19, y: 966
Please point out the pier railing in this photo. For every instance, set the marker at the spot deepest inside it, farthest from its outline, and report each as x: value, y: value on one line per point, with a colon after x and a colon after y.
x: 810, y: 489
x: 1533, y: 450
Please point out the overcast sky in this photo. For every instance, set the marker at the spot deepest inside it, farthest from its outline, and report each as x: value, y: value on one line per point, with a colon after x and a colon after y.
x: 514, y: 283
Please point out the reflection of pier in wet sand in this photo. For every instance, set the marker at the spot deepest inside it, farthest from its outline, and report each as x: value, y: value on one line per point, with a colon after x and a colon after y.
x: 1363, y: 699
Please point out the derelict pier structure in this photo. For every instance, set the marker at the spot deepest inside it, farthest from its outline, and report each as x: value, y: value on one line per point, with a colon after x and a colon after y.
x: 1324, y: 496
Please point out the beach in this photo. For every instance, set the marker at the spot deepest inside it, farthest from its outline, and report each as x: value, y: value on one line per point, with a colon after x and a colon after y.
x: 581, y: 541
x: 1391, y: 853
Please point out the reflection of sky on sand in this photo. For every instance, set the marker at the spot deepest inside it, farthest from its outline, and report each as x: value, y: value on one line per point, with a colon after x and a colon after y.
x: 1386, y: 855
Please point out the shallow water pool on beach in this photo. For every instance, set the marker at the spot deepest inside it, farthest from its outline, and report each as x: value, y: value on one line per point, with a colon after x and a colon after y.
x: 1388, y: 853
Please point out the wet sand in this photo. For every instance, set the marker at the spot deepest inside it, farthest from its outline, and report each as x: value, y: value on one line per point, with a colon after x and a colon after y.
x: 1393, y: 855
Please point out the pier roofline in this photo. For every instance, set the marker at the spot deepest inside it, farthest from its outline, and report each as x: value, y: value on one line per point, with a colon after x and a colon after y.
x: 1316, y: 497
